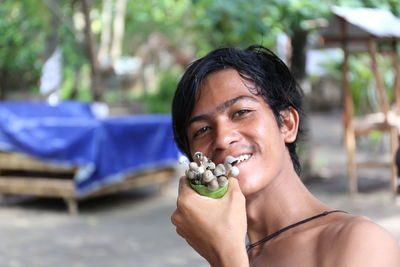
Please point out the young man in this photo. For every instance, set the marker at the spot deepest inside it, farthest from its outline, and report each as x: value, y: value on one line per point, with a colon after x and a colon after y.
x: 246, y: 102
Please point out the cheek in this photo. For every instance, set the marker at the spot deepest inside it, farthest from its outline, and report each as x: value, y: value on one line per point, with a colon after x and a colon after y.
x: 263, y: 133
x: 203, y: 146
x: 268, y: 131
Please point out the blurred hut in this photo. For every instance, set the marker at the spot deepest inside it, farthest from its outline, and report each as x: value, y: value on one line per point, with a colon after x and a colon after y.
x: 375, y: 32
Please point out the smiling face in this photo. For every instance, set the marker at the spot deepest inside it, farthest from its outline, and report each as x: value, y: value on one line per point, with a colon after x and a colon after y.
x: 228, y: 119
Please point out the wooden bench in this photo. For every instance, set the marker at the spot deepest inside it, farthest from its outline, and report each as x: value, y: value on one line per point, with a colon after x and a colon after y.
x: 23, y: 175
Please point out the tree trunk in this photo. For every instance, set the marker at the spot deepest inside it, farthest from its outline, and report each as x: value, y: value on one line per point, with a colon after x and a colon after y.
x: 299, y: 54
x: 3, y: 83
x: 105, y: 41
x: 298, y: 63
x: 118, y: 30
x: 75, y: 86
x: 96, y: 84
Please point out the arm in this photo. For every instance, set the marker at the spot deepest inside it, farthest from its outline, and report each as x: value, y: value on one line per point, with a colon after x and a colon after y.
x: 215, y: 228
x: 364, y: 243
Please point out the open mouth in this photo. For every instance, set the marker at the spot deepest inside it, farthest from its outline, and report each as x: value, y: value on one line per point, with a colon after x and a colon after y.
x: 242, y: 158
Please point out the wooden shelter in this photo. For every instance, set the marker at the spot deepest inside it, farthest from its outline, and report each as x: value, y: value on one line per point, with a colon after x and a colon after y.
x: 367, y: 30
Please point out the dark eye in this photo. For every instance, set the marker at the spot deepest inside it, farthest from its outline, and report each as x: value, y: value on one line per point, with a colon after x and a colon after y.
x: 241, y: 112
x: 200, y: 131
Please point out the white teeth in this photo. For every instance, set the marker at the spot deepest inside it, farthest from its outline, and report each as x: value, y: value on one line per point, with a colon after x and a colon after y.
x: 243, y: 157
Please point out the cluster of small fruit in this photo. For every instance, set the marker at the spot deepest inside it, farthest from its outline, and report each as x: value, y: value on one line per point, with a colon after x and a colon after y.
x: 205, y: 172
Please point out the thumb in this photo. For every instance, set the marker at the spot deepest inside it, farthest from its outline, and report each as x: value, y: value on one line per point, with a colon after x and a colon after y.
x: 233, y: 184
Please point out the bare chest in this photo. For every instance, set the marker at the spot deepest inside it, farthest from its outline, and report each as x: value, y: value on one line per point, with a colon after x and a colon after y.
x: 296, y: 257
x: 297, y: 251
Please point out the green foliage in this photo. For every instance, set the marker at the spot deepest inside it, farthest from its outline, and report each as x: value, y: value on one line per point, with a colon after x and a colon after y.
x: 200, y: 25
x: 146, y: 17
x: 160, y: 101
x: 22, y: 27
x: 392, y: 5
x: 238, y: 23
x: 362, y: 81
x: 292, y: 15
x: 75, y: 63
x: 76, y: 78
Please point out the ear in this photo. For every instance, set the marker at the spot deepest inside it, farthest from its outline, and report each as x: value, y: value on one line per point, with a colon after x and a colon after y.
x: 290, y: 124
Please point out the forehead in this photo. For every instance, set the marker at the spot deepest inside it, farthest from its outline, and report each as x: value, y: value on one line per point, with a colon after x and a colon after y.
x: 221, y: 86
x: 226, y: 79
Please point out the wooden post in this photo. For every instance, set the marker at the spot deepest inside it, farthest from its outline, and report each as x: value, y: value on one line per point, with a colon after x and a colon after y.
x: 394, y: 144
x: 349, y: 133
x: 395, y: 130
x: 378, y: 81
x: 397, y: 75
x: 72, y: 205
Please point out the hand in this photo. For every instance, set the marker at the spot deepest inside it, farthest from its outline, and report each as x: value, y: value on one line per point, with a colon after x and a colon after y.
x: 215, y: 228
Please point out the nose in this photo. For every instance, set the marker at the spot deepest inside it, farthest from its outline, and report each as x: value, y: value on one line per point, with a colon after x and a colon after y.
x: 225, y: 136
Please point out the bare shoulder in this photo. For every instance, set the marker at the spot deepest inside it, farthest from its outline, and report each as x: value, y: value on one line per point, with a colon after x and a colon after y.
x: 358, y: 241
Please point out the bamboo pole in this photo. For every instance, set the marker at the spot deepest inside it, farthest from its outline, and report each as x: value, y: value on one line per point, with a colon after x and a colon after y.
x: 378, y: 80
x: 349, y: 133
x: 397, y: 75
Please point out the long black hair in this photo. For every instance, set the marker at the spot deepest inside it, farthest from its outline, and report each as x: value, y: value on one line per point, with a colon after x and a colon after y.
x: 270, y: 76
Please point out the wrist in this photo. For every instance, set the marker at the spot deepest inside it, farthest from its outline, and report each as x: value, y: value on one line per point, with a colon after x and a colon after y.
x: 235, y: 257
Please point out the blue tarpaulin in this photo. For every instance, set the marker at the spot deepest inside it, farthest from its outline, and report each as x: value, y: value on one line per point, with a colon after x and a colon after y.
x: 105, y: 150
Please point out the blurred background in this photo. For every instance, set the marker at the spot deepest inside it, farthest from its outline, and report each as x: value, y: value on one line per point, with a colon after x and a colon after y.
x: 114, y: 65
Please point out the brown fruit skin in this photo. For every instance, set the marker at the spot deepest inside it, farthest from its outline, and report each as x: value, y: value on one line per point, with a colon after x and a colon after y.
x: 222, y: 180
x: 213, y: 185
x: 208, y: 176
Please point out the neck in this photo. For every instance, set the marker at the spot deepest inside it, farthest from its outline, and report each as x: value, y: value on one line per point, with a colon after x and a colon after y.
x: 283, y: 202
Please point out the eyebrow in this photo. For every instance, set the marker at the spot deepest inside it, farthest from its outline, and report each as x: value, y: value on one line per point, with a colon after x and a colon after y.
x: 222, y: 107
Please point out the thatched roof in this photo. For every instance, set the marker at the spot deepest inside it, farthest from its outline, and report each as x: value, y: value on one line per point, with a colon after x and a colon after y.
x: 361, y: 23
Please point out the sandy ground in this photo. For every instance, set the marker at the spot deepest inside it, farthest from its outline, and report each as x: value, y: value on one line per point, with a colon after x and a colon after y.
x: 133, y: 228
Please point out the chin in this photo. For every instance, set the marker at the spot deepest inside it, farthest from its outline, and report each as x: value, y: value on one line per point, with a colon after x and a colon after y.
x: 251, y: 183
x: 245, y: 187
x: 247, y: 191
